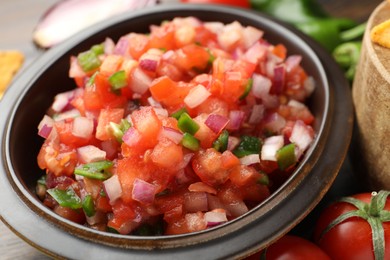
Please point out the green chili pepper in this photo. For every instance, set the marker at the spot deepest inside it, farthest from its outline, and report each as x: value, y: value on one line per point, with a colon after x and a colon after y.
x: 326, y: 31
x: 248, y: 145
x: 187, y: 124
x: 42, y: 180
x: 88, y: 60
x: 118, y: 80
x: 285, y: 156
x: 190, y: 142
x: 66, y: 198
x: 248, y: 88
x: 347, y: 56
x: 179, y: 112
x: 98, y: 49
x: 118, y: 130
x: 263, y: 179
x: 221, y: 143
x: 95, y: 170
x: 88, y: 206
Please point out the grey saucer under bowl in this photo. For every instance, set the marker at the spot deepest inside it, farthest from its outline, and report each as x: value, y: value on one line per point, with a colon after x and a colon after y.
x: 26, y: 101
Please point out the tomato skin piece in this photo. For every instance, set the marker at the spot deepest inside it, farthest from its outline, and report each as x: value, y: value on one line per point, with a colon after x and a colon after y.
x: 351, y: 239
x: 292, y: 248
x: 240, y: 3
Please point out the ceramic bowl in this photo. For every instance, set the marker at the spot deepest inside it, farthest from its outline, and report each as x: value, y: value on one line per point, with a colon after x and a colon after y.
x: 27, y: 100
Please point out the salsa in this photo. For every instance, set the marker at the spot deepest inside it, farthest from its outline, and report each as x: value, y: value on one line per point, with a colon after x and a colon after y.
x: 174, y: 131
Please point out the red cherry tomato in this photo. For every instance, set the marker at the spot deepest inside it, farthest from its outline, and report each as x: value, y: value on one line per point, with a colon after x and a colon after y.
x: 292, y: 248
x: 352, y: 238
x: 241, y: 3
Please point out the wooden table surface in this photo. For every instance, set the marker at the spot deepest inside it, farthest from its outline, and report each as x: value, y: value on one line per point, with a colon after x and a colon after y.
x: 17, y: 21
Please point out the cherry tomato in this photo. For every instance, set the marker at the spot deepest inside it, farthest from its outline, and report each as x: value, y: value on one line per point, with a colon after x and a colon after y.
x: 353, y: 237
x: 241, y: 3
x: 292, y: 248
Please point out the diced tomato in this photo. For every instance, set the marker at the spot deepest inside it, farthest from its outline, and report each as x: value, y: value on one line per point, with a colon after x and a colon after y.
x: 111, y: 64
x: 147, y: 123
x: 106, y: 116
x: 207, y: 165
x: 255, y: 192
x: 229, y: 160
x: 177, y: 227
x: 64, y: 130
x: 296, y: 113
x: 191, y: 57
x: 138, y: 44
x: 162, y: 37
x: 204, y: 37
x: 75, y: 215
x: 280, y: 51
x: 167, y: 154
x: 102, y: 204
x: 242, y: 175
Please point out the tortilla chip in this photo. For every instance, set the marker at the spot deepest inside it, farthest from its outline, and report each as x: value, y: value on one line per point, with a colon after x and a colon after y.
x: 10, y: 62
x: 380, y: 34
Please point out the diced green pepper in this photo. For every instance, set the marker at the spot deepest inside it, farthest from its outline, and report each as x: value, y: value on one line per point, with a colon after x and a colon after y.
x: 221, y: 143
x: 211, y: 58
x: 187, y: 125
x: 263, y: 179
x: 88, y: 60
x: 179, y: 112
x: 98, y: 49
x: 190, y: 142
x: 66, y: 198
x: 248, y: 88
x: 118, y: 80
x: 285, y: 156
x: 118, y: 130
x: 88, y: 206
x: 95, y: 170
x: 248, y: 145
x: 92, y: 79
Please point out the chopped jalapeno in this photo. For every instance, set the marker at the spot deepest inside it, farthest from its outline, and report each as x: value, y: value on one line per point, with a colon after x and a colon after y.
x: 179, y: 112
x: 95, y: 170
x: 190, y: 142
x: 221, y: 143
x: 88, y: 206
x: 248, y: 145
x: 66, y: 198
x: 88, y: 60
x: 118, y: 80
x: 187, y: 124
x: 118, y: 130
x: 248, y: 88
x: 97, y: 49
x: 286, y: 156
x: 263, y: 179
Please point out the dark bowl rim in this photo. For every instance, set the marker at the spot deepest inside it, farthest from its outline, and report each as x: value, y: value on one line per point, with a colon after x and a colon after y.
x: 52, y: 55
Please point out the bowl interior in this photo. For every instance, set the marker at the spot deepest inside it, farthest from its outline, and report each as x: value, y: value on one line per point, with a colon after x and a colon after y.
x: 49, y: 76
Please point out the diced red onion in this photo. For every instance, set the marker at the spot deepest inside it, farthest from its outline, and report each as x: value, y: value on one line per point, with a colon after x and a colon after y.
x: 251, y: 35
x: 140, y: 81
x: 196, y: 96
x: 121, y: 46
x: 295, y: 103
x: 185, y: 21
x: 109, y: 46
x: 186, y: 160
x: 250, y: 159
x: 309, y: 85
x: 73, y: 113
x: 214, y: 218
x: 230, y: 35
x: 216, y: 122
x: 271, y: 146
x: 236, y: 208
x: 45, y: 126
x: 172, y: 134
x: 82, y: 127
x: 168, y: 54
x: 255, y: 53
x: 131, y: 137
x: 110, y: 147
x: 292, y: 62
x: 149, y: 61
x: 233, y: 142
x: 62, y: 100
x: 90, y: 153
x: 301, y: 136
x: 161, y: 112
x: 201, y: 187
x: 143, y: 191
x: 236, y: 117
x: 215, y: 27
x: 153, y: 102
x: 75, y: 69
x: 274, y: 122
x: 113, y: 188
x: 257, y: 114
x: 195, y: 201
x: 214, y: 202
x: 279, y: 79
x: 261, y: 86
x: 99, y: 217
